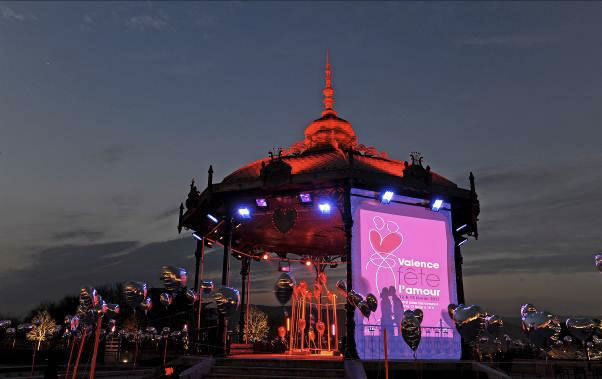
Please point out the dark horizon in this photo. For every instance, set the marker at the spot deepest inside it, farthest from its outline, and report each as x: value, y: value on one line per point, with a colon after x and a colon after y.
x: 109, y: 109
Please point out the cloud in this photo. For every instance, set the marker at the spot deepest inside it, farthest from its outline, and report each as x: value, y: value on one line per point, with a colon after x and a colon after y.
x: 537, y: 219
x: 168, y: 213
x: 64, y: 269
x: 113, y: 154
x: 78, y: 234
x: 87, y: 22
x: 148, y: 22
x: 515, y: 40
x: 10, y: 14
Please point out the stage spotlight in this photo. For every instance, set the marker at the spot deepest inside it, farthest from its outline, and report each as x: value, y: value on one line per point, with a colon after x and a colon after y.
x: 386, y: 197
x: 307, y: 262
x: 461, y: 227
x: 305, y: 198
x: 324, y: 208
x: 265, y: 256
x: 261, y: 203
x: 195, y: 235
x: 212, y: 218
x: 237, y: 256
x: 208, y: 243
x: 462, y: 242
x: 244, y: 212
x: 436, y: 205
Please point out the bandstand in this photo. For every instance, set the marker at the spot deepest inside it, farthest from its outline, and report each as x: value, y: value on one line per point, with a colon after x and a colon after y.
x: 395, y: 225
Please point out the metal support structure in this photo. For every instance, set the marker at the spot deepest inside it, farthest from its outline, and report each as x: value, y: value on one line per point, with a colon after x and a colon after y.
x: 350, y: 348
x: 223, y: 321
x: 244, y: 274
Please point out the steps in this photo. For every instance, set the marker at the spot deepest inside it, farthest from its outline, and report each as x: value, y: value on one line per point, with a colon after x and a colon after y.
x: 276, y: 369
x: 241, y: 348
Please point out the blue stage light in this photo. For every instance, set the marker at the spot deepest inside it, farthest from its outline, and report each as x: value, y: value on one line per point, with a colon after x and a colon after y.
x: 195, y: 235
x: 212, y: 218
x: 436, y: 205
x: 386, y: 197
x: 461, y: 227
x: 464, y: 240
x: 244, y: 212
x: 261, y: 203
x: 324, y: 208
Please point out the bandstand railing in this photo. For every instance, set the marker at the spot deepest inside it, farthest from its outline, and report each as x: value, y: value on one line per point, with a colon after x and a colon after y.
x: 437, y: 342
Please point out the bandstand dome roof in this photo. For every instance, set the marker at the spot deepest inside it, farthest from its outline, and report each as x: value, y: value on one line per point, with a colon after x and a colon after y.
x: 327, y: 142
x: 326, y: 160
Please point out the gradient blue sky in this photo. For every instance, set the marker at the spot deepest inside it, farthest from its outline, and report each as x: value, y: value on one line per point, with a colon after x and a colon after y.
x: 108, y: 109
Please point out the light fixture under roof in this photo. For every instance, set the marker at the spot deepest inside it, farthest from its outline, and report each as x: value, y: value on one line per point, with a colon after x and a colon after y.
x: 212, y: 218
x: 436, y: 205
x: 244, y: 212
x: 305, y: 198
x: 386, y: 197
x: 460, y: 228
x: 261, y: 202
x: 324, y: 207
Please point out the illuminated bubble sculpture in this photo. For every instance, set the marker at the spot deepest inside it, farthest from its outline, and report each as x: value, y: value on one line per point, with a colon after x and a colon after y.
x: 283, y: 289
x: 135, y: 293
x: 470, y: 321
x: 192, y: 295
x: 372, y: 302
x: 541, y: 327
x: 207, y: 286
x: 173, y: 278
x: 166, y: 299
x: 598, y: 262
x: 88, y: 298
x: 410, y: 328
x: 581, y: 328
x: 227, y: 300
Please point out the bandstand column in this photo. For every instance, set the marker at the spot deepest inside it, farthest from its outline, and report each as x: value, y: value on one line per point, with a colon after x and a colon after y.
x: 459, y: 281
x: 350, y: 347
x: 244, y: 274
x: 222, y: 320
x: 197, y: 255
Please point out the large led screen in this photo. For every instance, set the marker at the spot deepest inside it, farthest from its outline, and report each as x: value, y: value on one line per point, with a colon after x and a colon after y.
x: 403, y: 254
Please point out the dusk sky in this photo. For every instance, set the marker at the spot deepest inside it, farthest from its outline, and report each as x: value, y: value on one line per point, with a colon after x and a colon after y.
x: 107, y: 110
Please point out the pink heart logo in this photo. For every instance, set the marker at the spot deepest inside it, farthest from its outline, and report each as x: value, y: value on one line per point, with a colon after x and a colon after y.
x: 387, y: 244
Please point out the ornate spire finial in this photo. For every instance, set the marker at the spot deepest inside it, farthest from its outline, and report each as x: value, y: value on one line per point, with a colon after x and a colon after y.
x: 328, y: 91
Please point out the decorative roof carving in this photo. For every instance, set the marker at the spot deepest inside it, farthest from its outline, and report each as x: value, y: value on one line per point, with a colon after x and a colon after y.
x: 193, y: 196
